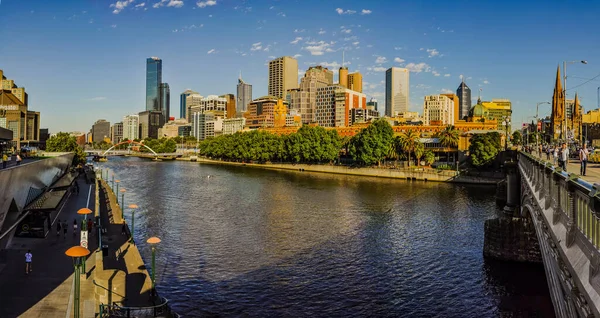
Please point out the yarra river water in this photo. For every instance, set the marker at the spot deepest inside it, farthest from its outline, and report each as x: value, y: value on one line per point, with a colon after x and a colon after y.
x: 246, y: 242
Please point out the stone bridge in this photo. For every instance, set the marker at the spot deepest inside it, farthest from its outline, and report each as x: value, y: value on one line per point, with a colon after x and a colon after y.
x: 552, y: 217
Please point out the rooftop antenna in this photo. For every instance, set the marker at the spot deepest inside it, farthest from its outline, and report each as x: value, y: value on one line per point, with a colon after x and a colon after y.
x: 240, y: 74
x: 343, y: 60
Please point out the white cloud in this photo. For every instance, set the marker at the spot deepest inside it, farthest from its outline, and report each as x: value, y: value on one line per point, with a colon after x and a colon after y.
x: 319, y: 48
x: 267, y: 48
x: 377, y: 69
x: 212, y: 51
x: 398, y: 60
x: 347, y: 31
x: 281, y: 14
x: 95, y: 99
x: 120, y: 5
x: 486, y: 82
x: 380, y: 60
x: 299, y: 30
x: 366, y: 11
x: 418, y: 68
x: 397, y: 48
x: 271, y: 7
x: 169, y: 3
x: 447, y: 91
x: 113, y: 26
x: 321, y: 32
x: 256, y: 46
x: 435, y: 73
x: 207, y: 3
x: 446, y: 75
x: 140, y: 5
x: 297, y: 56
x: 296, y: 40
x: 355, y: 43
x: 341, y: 11
x: 433, y: 52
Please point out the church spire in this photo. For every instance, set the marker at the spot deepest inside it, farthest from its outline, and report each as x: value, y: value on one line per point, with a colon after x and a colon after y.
x: 558, y: 85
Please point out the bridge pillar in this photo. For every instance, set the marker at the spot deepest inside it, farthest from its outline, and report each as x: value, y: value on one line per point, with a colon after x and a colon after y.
x: 513, y: 187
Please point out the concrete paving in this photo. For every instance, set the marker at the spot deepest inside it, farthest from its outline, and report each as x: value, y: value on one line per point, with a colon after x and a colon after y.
x: 46, y: 291
x: 592, y: 174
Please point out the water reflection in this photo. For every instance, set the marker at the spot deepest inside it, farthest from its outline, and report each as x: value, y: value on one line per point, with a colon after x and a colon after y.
x: 262, y: 243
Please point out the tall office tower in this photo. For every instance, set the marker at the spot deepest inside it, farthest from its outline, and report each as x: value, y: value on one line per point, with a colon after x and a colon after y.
x: 355, y: 82
x: 456, y: 101
x: 343, y: 76
x: 396, y: 91
x: 304, y: 99
x: 230, y: 105
x: 100, y: 130
x: 283, y: 75
x: 183, y: 102
x: 150, y: 122
x: 116, y: 133
x: 464, y: 97
x: 165, y: 101
x: 438, y: 110
x: 244, y: 96
x: 153, y: 81
x: 131, y: 127
x: 192, y: 101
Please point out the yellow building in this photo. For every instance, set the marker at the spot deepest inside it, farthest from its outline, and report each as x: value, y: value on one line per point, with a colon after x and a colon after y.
x: 456, y: 102
x: 15, y: 115
x: 591, y: 117
x: 355, y: 82
x: 497, y: 109
x: 283, y: 75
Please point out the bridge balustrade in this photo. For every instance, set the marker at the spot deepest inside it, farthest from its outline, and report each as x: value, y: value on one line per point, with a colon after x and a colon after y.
x: 575, y: 204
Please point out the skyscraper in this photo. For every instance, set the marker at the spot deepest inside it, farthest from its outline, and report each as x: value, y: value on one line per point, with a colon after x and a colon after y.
x: 153, y: 81
x: 355, y: 82
x: 464, y: 97
x: 396, y: 91
x: 283, y: 75
x: 244, y: 96
x: 165, y: 101
x: 183, y: 102
x: 304, y: 99
x: 100, y: 130
x: 131, y: 127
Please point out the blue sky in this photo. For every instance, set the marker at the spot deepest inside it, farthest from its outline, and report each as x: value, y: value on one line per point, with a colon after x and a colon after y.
x: 82, y: 60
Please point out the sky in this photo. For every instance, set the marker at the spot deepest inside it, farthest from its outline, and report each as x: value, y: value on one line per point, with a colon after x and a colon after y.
x: 84, y: 60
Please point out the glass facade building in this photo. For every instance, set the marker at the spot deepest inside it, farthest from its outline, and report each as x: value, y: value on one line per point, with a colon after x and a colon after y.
x: 396, y: 91
x: 464, y: 96
x: 165, y: 101
x: 153, y: 81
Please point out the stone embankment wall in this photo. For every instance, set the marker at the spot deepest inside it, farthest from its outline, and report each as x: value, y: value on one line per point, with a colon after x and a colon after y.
x: 511, y: 239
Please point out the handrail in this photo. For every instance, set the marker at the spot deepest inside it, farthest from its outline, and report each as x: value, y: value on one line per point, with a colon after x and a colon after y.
x: 165, y: 302
x: 94, y: 281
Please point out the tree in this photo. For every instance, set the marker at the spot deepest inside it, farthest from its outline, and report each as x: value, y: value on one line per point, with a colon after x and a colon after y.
x: 372, y: 144
x: 408, y: 141
x: 429, y: 157
x: 419, y: 151
x: 517, y: 138
x: 63, y: 142
x: 449, y: 139
x: 483, y: 149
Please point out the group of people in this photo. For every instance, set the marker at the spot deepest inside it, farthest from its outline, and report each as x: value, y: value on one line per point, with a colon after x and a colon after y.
x: 5, y: 159
x: 559, y: 155
x: 63, y: 226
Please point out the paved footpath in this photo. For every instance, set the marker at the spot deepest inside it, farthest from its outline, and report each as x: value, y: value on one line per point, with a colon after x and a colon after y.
x: 592, y: 174
x: 47, y: 291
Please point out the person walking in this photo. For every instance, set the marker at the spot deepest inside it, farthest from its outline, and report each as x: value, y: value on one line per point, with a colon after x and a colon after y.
x: 564, y: 157
x: 555, y: 155
x: 583, y: 158
x: 4, y: 161
x: 58, y: 228
x: 74, y: 227
x: 65, y: 227
x: 19, y: 159
x: 28, y: 258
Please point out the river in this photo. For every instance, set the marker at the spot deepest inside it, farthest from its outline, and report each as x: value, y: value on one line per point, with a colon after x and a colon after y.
x: 240, y: 241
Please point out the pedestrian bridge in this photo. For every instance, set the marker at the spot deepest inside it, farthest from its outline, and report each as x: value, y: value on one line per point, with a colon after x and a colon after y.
x: 565, y: 212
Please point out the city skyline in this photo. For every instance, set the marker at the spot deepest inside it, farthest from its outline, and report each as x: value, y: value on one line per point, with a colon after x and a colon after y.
x: 513, y: 58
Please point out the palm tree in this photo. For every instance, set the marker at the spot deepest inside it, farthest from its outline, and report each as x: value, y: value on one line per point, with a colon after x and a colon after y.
x: 449, y: 139
x: 408, y: 141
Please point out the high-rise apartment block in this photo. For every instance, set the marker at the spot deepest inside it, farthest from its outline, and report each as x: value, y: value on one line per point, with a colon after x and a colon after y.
x: 464, y: 96
x: 334, y: 103
x: 355, y: 82
x: 116, y: 133
x: 229, y: 105
x: 131, y: 127
x: 244, y: 96
x: 211, y: 103
x: 206, y: 125
x: 183, y: 102
x: 15, y: 114
x: 396, y: 91
x: 456, y: 101
x: 100, y: 130
x: 192, y: 100
x: 233, y: 125
x: 283, y: 75
x: 438, y: 110
x: 304, y: 98
x: 150, y: 122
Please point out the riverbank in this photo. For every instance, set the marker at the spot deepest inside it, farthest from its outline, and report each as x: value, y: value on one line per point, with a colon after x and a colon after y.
x: 421, y: 174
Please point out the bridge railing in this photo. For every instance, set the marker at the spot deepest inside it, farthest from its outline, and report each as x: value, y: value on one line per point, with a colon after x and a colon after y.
x: 574, y: 203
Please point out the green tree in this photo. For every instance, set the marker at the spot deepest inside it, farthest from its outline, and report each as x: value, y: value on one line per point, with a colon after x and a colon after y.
x: 372, y: 144
x: 408, y: 141
x: 63, y: 142
x: 517, y: 138
x: 429, y: 157
x: 449, y: 139
x: 419, y: 152
x: 483, y: 149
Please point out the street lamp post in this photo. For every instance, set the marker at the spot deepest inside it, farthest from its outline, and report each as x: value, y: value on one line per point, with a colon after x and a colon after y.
x: 77, y: 253
x: 84, y: 230
x: 132, y: 207
x: 153, y: 241
x: 537, y: 111
x: 113, y: 181
x: 123, y: 201
x: 117, y: 192
x: 565, y: 94
x: 506, y: 124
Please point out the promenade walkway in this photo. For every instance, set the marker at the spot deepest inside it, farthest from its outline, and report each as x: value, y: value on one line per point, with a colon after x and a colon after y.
x: 592, y: 174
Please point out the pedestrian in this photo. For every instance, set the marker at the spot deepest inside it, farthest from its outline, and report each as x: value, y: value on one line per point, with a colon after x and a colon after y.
x: 28, y: 258
x: 555, y: 154
x: 548, y: 150
x: 76, y: 187
x: 583, y: 158
x: 4, y: 161
x: 19, y: 159
x: 74, y: 227
x: 9, y: 158
x: 65, y: 228
x: 58, y: 228
x: 563, y: 160
x: 124, y: 228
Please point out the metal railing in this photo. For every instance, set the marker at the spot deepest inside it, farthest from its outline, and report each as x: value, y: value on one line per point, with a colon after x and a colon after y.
x: 575, y: 203
x: 160, y: 310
